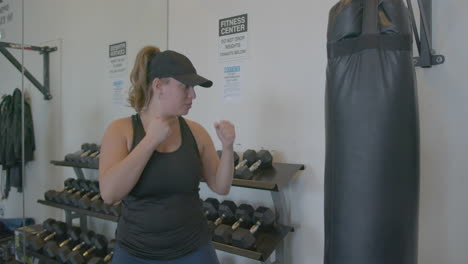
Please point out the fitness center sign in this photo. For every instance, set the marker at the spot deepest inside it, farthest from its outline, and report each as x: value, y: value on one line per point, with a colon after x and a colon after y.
x: 118, y: 72
x: 233, y: 37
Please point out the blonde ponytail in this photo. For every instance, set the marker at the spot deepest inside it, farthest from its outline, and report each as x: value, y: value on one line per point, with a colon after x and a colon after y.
x: 140, y: 91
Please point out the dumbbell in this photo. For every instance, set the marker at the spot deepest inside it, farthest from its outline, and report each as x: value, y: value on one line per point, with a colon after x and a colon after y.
x: 51, y: 248
x: 245, y: 238
x: 85, y: 200
x: 65, y: 251
x: 93, y: 148
x: 210, y: 208
x: 89, y: 188
x: 226, y: 212
x: 46, y: 229
x: 90, y: 157
x: 97, y: 244
x: 52, y: 195
x: 108, y: 257
x: 236, y: 156
x: 58, y: 229
x: 94, y: 162
x: 250, y: 156
x: 86, y: 149
x: 244, y: 214
x: 66, y: 197
x: 112, y: 209
x: 264, y: 160
x: 97, y: 205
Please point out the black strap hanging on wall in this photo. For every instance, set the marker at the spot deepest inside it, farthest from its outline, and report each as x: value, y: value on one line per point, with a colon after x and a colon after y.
x: 10, y: 138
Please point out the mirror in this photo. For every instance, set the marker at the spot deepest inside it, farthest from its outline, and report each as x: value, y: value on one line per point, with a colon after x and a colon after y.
x: 91, y: 48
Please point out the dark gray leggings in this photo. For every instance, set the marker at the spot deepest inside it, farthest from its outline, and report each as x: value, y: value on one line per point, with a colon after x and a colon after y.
x: 205, y: 255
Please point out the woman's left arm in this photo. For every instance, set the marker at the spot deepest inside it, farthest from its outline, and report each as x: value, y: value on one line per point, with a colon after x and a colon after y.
x: 218, y: 172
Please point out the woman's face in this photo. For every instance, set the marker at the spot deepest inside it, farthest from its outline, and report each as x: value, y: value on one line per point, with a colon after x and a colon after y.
x: 175, y: 98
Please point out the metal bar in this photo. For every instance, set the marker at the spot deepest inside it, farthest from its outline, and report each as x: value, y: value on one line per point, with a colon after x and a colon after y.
x: 425, y: 9
x: 19, y: 67
x: 19, y: 46
x: 47, y: 95
x: 283, y: 217
x: 79, y: 173
x: 83, y: 222
x: 415, y: 28
x: 68, y: 217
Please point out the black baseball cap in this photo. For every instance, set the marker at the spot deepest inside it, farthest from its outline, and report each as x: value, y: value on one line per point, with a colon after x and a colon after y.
x: 173, y: 64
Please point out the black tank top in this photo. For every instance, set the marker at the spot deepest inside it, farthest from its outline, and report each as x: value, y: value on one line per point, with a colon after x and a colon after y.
x: 161, y: 217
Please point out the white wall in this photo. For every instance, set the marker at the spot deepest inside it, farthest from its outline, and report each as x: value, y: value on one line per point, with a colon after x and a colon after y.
x: 444, y: 145
x: 282, y: 108
x: 282, y: 104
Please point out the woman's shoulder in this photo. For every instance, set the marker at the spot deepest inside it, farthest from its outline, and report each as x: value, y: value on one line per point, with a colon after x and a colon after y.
x: 194, y: 126
x: 121, y: 129
x: 198, y: 131
x: 121, y: 124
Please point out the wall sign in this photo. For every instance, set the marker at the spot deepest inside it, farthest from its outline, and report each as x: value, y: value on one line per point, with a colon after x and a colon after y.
x: 233, y: 37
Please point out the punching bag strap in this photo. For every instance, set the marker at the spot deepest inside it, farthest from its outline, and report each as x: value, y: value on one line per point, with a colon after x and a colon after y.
x: 370, y: 20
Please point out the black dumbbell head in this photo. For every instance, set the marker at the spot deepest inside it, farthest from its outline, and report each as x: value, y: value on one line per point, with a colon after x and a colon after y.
x: 251, y: 156
x: 223, y: 234
x: 243, y: 173
x: 75, y: 257
x: 228, y: 210
x: 48, y: 224
x: 265, y: 216
x: 35, y: 243
x: 87, y: 236
x: 63, y: 253
x: 96, y: 260
x: 96, y: 205
x: 211, y: 206
x: 266, y: 158
x: 85, y: 146
x: 85, y: 185
x: 94, y: 186
x: 245, y: 212
x: 60, y: 228
x: 74, y: 233
x: 50, y: 249
x: 100, y: 242
x: 211, y: 226
x: 243, y: 238
x: 50, y: 195
x: 68, y: 183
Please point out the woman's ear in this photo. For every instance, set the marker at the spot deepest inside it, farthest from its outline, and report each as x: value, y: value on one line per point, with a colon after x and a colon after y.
x: 156, y: 86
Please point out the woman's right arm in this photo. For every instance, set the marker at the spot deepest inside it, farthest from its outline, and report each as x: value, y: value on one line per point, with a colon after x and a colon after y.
x: 120, y: 170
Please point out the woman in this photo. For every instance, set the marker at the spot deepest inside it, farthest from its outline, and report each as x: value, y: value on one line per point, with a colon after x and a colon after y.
x: 153, y: 161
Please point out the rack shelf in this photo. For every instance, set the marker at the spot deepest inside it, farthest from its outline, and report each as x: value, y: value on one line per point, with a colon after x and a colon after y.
x: 272, y: 179
x: 72, y: 164
x: 80, y: 211
x: 266, y: 244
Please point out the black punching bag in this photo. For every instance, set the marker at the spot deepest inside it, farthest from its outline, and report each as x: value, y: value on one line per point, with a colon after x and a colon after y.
x: 372, y: 136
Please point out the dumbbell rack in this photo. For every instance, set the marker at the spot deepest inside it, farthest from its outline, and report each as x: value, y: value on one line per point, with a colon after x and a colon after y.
x: 272, y: 179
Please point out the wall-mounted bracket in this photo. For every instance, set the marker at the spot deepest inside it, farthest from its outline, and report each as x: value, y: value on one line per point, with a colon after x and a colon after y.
x: 427, y: 56
x: 44, y: 89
